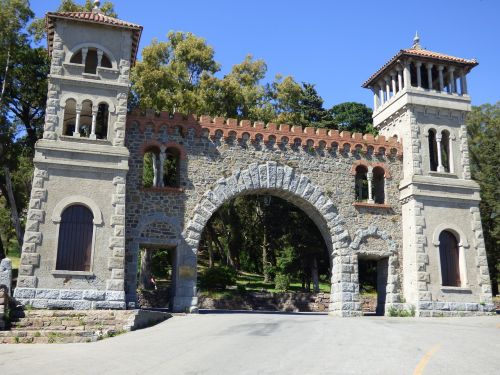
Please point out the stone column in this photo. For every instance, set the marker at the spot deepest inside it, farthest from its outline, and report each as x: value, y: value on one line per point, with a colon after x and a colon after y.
x: 440, y: 167
x: 463, y: 82
x: 84, y: 55
x: 369, y: 177
x: 393, y: 81
x: 451, y: 79
x: 76, y: 133
x: 163, y: 156
x: 155, y: 170
x: 400, y: 78
x: 418, y: 65
x: 450, y: 154
x: 381, y: 92
x: 441, y: 80
x: 99, y: 57
x: 94, y: 121
x: 429, y: 74
x: 387, y: 88
x: 375, y: 99
x: 406, y: 75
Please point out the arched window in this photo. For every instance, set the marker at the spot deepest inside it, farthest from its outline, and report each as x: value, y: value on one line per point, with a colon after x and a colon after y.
x: 85, y: 126
x: 378, y: 183
x: 361, y: 183
x: 91, y: 58
x: 433, y: 158
x: 69, y: 121
x: 74, y: 250
x: 171, y: 168
x: 445, y: 150
x: 151, y: 168
x: 449, y: 256
x: 101, y: 130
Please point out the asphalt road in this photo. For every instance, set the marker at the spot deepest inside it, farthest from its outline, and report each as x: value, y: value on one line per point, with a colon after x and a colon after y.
x: 276, y: 344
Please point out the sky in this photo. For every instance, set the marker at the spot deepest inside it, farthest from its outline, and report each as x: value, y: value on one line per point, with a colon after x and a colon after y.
x: 334, y: 44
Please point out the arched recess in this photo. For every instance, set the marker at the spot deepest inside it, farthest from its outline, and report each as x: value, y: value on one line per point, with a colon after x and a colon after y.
x: 77, y: 199
x: 375, y: 244
x: 155, y: 229
x: 283, y: 182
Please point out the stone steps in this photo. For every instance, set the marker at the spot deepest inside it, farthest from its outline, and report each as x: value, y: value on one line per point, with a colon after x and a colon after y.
x: 66, y: 326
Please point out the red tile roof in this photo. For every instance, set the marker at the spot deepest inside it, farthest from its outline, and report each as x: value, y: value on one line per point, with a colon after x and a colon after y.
x: 93, y: 17
x: 427, y: 55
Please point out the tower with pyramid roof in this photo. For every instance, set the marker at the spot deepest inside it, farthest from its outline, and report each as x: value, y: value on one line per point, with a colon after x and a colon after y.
x: 421, y: 98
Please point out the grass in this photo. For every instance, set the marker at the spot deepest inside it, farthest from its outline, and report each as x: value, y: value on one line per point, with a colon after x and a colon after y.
x: 255, y: 283
x: 14, y: 253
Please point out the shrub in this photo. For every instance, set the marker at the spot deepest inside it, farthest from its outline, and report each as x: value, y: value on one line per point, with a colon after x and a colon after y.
x: 281, y: 282
x: 401, y: 313
x: 217, y: 278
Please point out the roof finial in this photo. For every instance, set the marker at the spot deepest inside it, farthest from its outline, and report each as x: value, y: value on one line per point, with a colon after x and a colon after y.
x: 416, y: 41
x: 96, y: 8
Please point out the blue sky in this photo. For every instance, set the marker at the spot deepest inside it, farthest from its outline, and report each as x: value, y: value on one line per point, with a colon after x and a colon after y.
x: 335, y: 44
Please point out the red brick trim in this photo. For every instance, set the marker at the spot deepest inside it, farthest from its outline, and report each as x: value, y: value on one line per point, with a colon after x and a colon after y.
x: 371, y: 205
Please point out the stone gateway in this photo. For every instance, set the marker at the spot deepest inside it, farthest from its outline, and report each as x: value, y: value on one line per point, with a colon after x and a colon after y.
x: 108, y: 182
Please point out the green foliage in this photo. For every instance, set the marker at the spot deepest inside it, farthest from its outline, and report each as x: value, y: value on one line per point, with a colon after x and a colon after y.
x: 483, y: 127
x: 148, y: 173
x: 161, y: 265
x: 217, y: 278
x: 354, y: 117
x: 282, y: 282
x: 401, y: 313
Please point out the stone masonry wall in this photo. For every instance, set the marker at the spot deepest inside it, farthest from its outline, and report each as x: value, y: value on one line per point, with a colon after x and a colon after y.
x: 217, y: 152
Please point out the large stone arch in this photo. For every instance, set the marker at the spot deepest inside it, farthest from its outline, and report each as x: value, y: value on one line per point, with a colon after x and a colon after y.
x: 282, y: 181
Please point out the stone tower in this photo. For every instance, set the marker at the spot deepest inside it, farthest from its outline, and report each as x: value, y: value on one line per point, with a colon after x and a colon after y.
x: 73, y: 252
x: 421, y: 98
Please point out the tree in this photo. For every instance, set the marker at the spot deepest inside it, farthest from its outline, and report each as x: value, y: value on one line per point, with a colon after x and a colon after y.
x: 353, y: 117
x: 169, y: 76
x: 483, y: 126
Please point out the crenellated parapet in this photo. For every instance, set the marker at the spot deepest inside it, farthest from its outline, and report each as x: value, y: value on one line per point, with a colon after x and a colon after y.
x: 308, y: 137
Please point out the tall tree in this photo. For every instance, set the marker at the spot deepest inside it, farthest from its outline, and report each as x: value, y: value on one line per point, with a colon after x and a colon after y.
x: 483, y: 126
x: 354, y: 117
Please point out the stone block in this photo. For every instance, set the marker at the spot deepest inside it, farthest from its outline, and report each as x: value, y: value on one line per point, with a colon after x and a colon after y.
x: 82, y: 305
x: 115, y: 262
x: 69, y: 294
x: 27, y: 282
x: 115, y: 296
x: 47, y: 293
x: 115, y: 285
x: 33, y: 237
x: 59, y: 304
x: 118, y: 274
x: 40, y: 303
x: 24, y: 270
x: 113, y: 305
x: 36, y: 215
x: 94, y: 295
x: 32, y: 226
x: 30, y: 259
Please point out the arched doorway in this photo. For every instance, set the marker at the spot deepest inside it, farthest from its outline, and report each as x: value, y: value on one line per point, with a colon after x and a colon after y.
x: 283, y: 182
x: 260, y: 252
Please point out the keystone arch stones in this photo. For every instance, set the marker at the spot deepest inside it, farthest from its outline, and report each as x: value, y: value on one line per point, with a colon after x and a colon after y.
x: 282, y: 181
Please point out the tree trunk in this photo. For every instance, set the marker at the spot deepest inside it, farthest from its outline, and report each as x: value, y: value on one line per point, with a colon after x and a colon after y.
x: 210, y: 255
x: 4, y: 83
x: 14, y: 215
x: 145, y: 273
x: 314, y: 275
x: 265, y: 268
x: 2, y: 250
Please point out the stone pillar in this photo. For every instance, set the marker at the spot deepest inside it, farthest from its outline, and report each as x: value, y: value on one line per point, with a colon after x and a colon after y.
x: 451, y: 79
x: 387, y: 88
x: 400, y: 78
x: 406, y: 75
x: 163, y: 156
x: 375, y: 99
x: 84, y: 55
x: 393, y: 81
x: 344, y: 295
x: 429, y: 74
x: 369, y: 177
x: 463, y: 82
x: 76, y: 133
x: 381, y: 93
x: 418, y: 65
x: 441, y: 80
x: 155, y: 170
x: 99, y: 57
x: 450, y: 154
x: 94, y: 121
x: 6, y: 274
x: 440, y: 167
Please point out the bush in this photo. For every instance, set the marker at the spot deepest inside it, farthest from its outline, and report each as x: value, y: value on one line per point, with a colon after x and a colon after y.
x: 281, y: 282
x: 217, y: 278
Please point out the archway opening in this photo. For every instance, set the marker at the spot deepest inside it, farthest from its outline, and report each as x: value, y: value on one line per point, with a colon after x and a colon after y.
x: 154, y: 276
x: 373, y: 277
x: 262, y: 252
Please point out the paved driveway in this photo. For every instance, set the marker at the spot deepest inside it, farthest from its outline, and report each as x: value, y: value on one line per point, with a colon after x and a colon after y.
x: 276, y: 344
